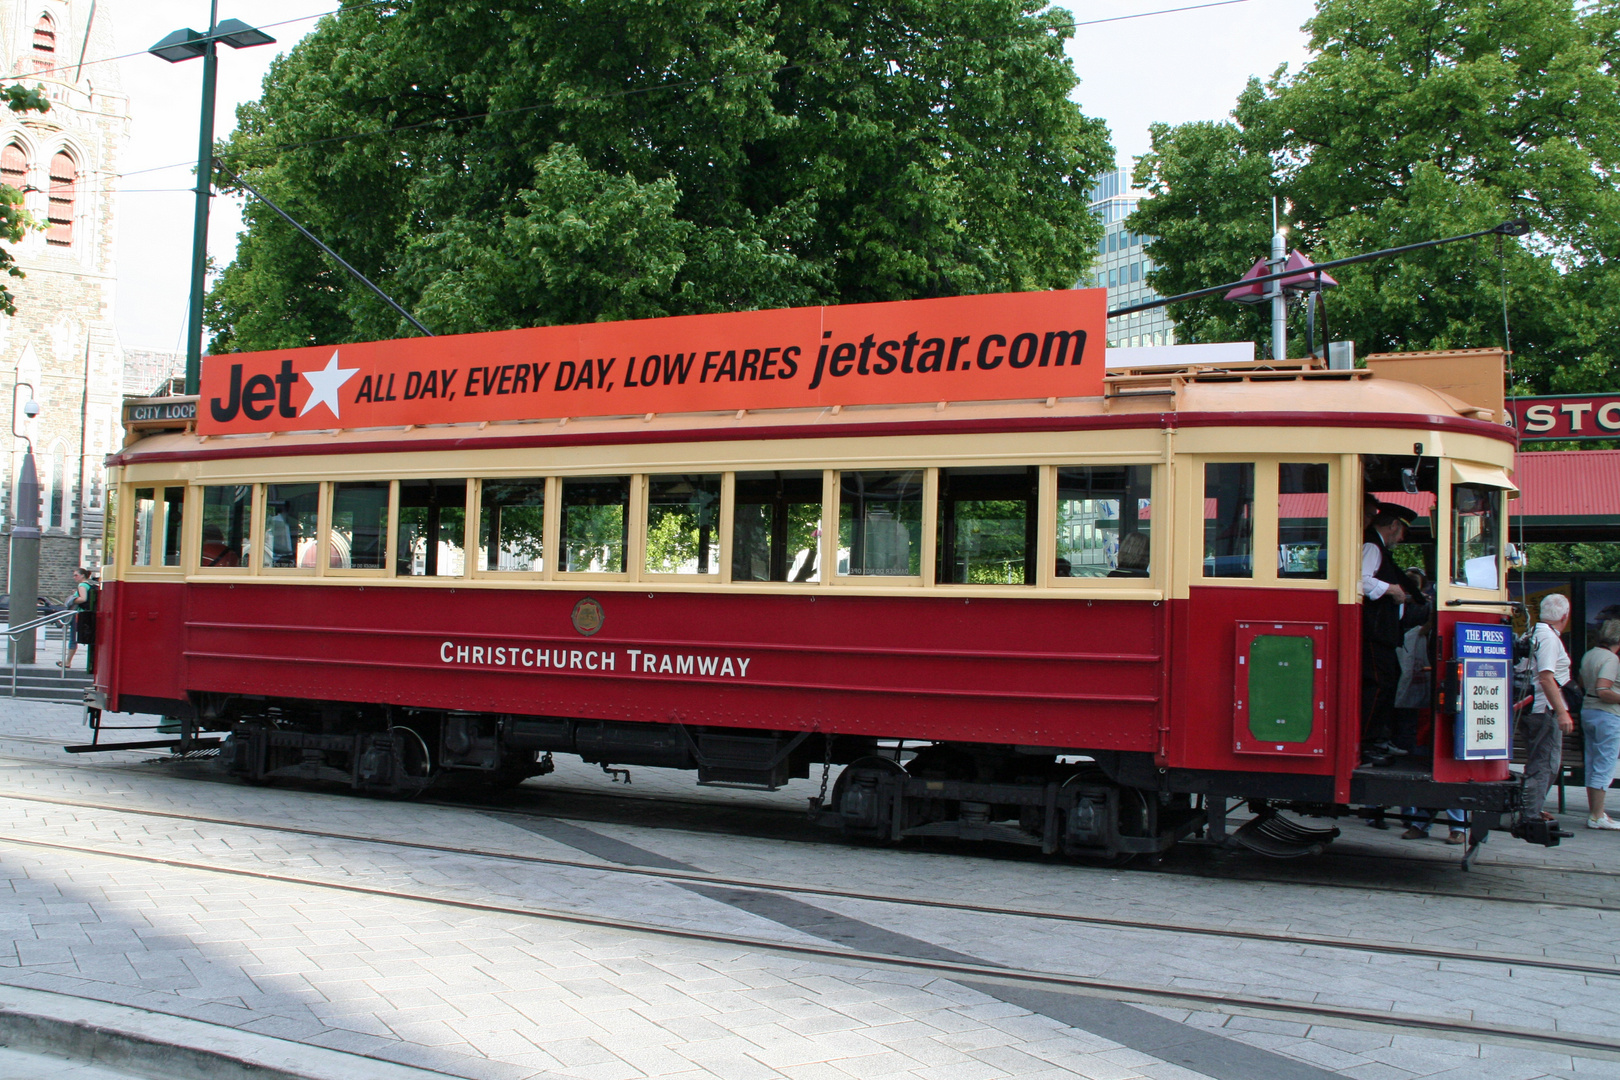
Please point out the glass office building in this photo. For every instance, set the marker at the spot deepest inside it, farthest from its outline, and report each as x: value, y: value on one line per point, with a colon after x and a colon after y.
x: 1122, y: 265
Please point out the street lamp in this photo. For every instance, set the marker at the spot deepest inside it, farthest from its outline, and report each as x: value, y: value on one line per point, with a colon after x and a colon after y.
x: 178, y: 47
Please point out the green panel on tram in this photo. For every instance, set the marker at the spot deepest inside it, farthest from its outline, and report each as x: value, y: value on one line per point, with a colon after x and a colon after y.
x: 1282, y: 676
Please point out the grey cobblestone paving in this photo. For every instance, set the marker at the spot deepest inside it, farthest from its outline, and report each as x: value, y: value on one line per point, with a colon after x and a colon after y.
x: 504, y: 996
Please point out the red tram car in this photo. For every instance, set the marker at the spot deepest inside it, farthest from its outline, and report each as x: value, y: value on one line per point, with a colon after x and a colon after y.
x: 1093, y: 610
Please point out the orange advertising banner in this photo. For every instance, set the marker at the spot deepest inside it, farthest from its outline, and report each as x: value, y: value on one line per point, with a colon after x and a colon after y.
x: 966, y: 348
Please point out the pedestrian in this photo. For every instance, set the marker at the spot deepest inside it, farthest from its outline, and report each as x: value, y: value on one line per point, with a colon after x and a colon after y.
x: 1549, y: 719
x: 1600, y: 721
x: 1422, y: 819
x: 83, y: 629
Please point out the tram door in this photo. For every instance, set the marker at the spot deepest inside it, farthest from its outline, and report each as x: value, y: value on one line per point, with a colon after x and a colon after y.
x: 1410, y: 483
x: 1264, y: 627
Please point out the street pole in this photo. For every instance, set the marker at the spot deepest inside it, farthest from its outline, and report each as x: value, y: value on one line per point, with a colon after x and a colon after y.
x: 199, y: 229
x: 24, y: 584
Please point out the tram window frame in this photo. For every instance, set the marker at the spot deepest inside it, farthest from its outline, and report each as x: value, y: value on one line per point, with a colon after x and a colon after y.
x: 390, y: 525
x: 397, y: 519
x: 548, y: 530
x: 644, y: 526
x: 1205, y: 558
x: 1498, y: 513
x: 248, y: 546
x: 1051, y: 500
x: 166, y: 538
x: 264, y: 560
x: 927, y: 492
x: 633, y: 524
x: 110, y: 537
x: 779, y: 560
x: 1325, y: 557
x: 950, y: 567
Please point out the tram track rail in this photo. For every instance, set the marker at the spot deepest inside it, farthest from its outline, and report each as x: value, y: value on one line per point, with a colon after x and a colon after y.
x: 1578, y: 1043
x: 683, y: 877
x: 1481, y: 870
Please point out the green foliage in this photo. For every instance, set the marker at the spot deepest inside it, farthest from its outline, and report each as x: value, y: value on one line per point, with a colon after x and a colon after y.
x: 631, y: 160
x: 1571, y: 558
x: 1413, y: 120
x: 14, y: 220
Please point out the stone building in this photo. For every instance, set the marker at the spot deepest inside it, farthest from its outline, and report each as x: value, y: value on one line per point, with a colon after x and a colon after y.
x: 62, y: 342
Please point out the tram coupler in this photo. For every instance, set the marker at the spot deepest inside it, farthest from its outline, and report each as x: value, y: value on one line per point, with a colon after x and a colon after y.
x: 1537, y: 831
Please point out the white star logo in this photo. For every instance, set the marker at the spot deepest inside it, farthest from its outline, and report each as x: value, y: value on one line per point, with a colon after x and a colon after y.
x: 324, y: 385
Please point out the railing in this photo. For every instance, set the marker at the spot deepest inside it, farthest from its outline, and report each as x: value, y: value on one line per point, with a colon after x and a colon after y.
x: 32, y: 627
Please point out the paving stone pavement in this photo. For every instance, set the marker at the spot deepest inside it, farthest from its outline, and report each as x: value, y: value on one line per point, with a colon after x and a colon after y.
x: 496, y: 995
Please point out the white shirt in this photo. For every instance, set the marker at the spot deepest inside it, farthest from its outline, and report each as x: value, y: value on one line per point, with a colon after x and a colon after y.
x: 1547, y: 654
x: 1371, y: 557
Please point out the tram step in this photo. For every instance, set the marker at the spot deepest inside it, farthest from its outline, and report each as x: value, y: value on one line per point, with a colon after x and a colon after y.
x: 1278, y: 837
x: 43, y: 686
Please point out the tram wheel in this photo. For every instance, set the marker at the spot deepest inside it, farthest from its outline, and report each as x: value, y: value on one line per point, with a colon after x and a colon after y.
x: 864, y: 798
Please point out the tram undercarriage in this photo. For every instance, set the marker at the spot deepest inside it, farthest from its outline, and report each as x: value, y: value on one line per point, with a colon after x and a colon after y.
x: 1106, y: 805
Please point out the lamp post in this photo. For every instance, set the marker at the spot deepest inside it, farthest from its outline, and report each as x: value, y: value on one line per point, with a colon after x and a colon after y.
x: 24, y: 562
x: 185, y: 45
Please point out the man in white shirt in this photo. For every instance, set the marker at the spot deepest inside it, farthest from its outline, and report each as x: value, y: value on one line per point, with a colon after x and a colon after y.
x: 1549, y: 719
x: 1383, y: 590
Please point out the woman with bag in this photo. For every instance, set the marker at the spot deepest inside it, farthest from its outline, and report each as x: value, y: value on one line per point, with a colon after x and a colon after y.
x: 1550, y: 718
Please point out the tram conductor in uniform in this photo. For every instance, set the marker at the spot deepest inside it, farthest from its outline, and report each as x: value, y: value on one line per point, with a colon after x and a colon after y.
x: 1387, y: 610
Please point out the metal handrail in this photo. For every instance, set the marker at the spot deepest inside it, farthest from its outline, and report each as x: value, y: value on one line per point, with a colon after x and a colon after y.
x: 14, y: 632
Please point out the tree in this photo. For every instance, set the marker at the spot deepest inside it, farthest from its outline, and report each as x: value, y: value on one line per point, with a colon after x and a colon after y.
x: 14, y: 220
x: 514, y: 164
x: 1413, y: 120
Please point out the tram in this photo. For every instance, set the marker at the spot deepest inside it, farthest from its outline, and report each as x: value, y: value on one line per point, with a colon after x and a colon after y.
x: 1017, y: 598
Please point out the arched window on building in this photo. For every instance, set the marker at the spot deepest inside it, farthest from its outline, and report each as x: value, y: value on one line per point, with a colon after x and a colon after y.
x: 14, y: 166
x: 56, y: 513
x: 64, y: 181
x: 45, y: 43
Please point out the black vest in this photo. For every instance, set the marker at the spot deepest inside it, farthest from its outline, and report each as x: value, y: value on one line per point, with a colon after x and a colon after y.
x: 1381, y: 618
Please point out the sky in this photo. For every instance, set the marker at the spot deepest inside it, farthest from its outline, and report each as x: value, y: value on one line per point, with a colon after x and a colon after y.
x: 1189, y: 65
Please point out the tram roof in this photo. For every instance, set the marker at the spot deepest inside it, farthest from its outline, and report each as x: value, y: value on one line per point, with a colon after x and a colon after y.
x: 1225, y: 397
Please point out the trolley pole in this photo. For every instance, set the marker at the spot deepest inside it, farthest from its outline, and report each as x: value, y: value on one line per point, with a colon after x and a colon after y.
x: 1279, y: 301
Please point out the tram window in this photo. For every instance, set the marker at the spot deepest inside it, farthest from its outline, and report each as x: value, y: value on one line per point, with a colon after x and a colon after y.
x: 880, y: 524
x: 776, y: 527
x: 432, y: 528
x: 595, y: 524
x: 1103, y: 520
x: 293, y: 516
x: 109, y: 549
x: 1302, y: 521
x: 511, y: 525
x: 683, y: 524
x: 360, y: 525
x: 1229, y: 519
x: 1476, y: 535
x: 987, y: 526
x: 227, y: 527
x: 146, y: 519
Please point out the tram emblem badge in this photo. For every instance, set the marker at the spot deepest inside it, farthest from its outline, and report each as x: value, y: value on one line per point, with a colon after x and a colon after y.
x: 588, y: 616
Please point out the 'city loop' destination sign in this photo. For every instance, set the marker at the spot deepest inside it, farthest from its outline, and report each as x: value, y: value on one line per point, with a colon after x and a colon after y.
x: 966, y: 348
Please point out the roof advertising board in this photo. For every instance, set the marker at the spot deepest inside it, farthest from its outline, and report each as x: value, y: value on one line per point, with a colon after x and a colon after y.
x: 969, y: 348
